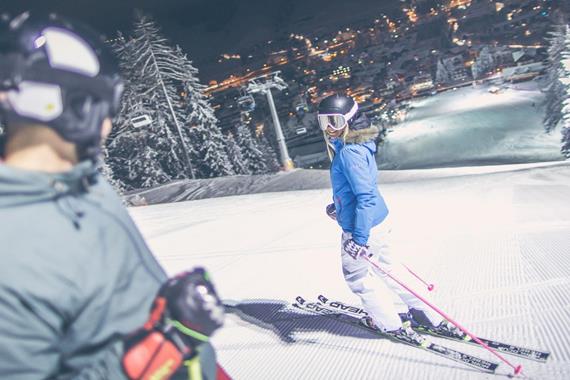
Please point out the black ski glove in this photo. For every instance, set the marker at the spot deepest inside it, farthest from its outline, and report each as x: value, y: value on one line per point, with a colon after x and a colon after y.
x: 331, y: 211
x: 192, y: 306
x: 355, y: 250
x: 185, y: 313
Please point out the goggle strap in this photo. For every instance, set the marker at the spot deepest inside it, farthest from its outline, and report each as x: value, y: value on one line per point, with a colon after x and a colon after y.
x: 352, y: 112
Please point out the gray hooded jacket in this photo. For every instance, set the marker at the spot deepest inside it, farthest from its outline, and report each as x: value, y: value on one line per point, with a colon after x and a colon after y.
x: 75, y: 275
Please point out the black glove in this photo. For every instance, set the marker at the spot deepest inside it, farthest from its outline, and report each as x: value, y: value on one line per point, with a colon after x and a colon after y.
x: 192, y: 306
x: 331, y: 211
x: 184, y: 314
x: 355, y: 250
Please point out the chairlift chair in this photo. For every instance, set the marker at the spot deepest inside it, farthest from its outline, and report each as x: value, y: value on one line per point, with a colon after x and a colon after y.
x: 246, y: 102
x: 141, y: 121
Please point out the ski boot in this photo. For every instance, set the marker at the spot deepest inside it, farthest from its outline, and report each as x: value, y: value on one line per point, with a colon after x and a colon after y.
x: 404, y: 334
x: 445, y: 328
x: 419, y: 321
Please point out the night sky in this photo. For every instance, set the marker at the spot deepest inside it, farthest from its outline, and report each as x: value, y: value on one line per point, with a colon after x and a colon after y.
x: 207, y: 28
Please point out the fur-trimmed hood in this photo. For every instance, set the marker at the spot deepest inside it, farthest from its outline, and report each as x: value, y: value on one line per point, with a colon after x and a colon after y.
x: 360, y: 136
x: 365, y: 137
x: 361, y: 131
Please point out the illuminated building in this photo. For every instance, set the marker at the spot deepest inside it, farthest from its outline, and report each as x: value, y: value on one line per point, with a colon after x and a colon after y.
x: 422, y: 82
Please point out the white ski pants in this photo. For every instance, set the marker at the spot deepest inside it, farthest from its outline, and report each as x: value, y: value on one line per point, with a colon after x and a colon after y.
x: 376, y: 290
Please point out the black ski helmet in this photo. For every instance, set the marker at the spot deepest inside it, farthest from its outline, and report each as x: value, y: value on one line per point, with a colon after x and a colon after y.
x: 336, y: 111
x: 58, y: 73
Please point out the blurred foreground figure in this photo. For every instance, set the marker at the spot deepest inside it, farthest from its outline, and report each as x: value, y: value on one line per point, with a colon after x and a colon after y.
x: 81, y: 295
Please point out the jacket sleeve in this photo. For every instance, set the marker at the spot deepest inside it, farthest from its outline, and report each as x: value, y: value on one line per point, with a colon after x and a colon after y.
x: 356, y: 167
x: 108, y: 367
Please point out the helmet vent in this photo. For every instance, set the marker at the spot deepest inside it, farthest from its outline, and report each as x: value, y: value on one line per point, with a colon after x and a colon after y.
x: 67, y: 51
x: 39, y: 42
x: 40, y: 101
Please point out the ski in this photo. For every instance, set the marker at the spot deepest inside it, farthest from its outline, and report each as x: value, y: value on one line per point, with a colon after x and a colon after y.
x: 469, y: 360
x: 522, y: 352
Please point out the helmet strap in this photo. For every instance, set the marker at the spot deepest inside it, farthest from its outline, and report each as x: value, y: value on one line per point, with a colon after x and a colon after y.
x: 90, y: 149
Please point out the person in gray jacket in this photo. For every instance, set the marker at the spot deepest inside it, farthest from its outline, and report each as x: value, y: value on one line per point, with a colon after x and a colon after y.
x: 77, y: 281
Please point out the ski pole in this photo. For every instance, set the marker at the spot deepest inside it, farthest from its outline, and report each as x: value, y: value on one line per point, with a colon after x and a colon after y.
x: 430, y: 287
x: 517, y: 369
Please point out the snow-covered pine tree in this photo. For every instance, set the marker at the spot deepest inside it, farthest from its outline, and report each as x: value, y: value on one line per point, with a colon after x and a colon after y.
x: 252, y: 156
x: 210, y: 152
x: 136, y: 154
x: 555, y: 89
x: 235, y: 155
x: 565, y: 150
x: 154, y: 74
x: 136, y: 160
x: 268, y: 154
x: 565, y: 81
x: 107, y: 172
x: 209, y: 145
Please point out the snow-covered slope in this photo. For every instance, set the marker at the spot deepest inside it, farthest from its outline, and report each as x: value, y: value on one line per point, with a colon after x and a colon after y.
x: 495, y: 240
x: 298, y: 179
x: 471, y: 126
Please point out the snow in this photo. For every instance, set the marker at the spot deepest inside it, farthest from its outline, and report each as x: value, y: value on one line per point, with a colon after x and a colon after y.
x: 494, y: 239
x: 472, y: 126
x: 566, y: 64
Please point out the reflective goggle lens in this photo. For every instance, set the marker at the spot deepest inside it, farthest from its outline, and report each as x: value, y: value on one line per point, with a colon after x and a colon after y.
x: 334, y: 122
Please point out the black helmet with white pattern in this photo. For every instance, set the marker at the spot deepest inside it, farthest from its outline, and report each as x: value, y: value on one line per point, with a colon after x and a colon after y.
x: 335, y: 112
x: 58, y: 73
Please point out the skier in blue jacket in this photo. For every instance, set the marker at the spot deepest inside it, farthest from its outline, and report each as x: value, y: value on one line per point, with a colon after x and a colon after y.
x: 361, y: 212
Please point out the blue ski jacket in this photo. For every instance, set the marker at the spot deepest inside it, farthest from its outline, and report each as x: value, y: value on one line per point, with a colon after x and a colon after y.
x: 359, y: 204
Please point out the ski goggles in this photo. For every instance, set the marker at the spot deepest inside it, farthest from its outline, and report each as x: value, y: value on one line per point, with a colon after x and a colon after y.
x: 332, y: 122
x: 336, y: 122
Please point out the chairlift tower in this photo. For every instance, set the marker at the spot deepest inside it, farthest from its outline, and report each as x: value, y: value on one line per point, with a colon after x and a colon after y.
x: 263, y: 85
